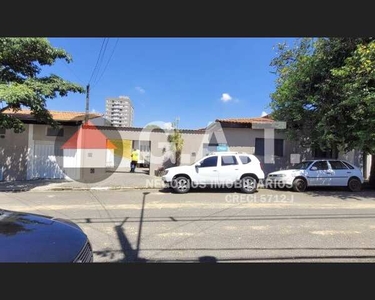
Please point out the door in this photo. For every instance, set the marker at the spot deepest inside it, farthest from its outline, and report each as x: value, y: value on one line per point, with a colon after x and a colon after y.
x: 228, y: 171
x: 44, y: 162
x: 207, y: 172
x: 319, y: 173
x: 340, y: 173
x: 72, y: 163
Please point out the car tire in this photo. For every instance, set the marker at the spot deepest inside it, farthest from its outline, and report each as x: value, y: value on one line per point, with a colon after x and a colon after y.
x: 248, y: 184
x: 354, y: 185
x: 181, y: 185
x: 299, y: 185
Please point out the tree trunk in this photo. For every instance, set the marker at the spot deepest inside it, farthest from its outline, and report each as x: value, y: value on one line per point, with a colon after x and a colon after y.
x: 372, y: 171
x: 178, y: 158
x: 335, y: 152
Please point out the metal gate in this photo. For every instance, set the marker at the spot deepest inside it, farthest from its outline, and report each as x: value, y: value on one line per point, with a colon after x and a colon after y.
x: 44, y: 163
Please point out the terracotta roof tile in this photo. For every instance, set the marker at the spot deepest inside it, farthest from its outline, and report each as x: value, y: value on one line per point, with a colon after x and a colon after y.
x: 63, y: 116
x: 246, y: 120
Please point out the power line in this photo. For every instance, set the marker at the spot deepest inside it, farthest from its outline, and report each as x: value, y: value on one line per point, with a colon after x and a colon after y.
x: 97, y: 61
x: 105, y: 68
x: 74, y: 73
x: 101, y: 60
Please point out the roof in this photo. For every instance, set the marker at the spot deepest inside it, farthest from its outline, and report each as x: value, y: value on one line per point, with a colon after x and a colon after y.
x: 265, y: 119
x: 155, y: 130
x: 62, y: 116
x: 226, y: 152
x: 91, y: 138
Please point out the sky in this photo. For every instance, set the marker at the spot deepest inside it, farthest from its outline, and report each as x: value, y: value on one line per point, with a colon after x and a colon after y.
x: 197, y: 80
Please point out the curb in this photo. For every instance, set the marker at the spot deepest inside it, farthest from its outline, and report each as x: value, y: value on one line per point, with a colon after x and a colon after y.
x: 107, y: 188
x: 58, y: 189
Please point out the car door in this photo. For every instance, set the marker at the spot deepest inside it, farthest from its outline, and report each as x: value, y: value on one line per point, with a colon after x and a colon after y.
x: 319, y: 173
x: 207, y: 171
x: 340, y: 173
x: 229, y: 169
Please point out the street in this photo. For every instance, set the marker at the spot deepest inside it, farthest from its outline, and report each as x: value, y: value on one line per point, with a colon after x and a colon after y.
x: 215, y: 225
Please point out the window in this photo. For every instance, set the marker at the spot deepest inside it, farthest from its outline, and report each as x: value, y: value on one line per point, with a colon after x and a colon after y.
x: 301, y: 166
x: 245, y: 159
x: 228, y: 160
x: 209, y: 162
x: 279, y: 147
x: 318, y: 153
x: 55, y: 132
x: 278, y: 144
x: 337, y: 165
x: 348, y: 165
x: 321, y: 165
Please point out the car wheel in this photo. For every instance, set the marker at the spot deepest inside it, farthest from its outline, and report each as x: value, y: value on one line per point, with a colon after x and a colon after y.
x: 248, y: 184
x: 354, y: 185
x: 299, y: 185
x: 181, y: 185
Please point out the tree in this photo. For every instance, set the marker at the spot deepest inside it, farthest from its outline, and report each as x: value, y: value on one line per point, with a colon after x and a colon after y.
x: 21, y: 60
x: 357, y: 77
x: 325, y: 92
x: 151, y: 127
x: 177, y: 143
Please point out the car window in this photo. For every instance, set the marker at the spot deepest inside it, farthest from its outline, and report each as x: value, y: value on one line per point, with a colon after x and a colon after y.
x: 301, y: 166
x: 348, y: 165
x: 228, y: 160
x: 209, y: 162
x: 337, y: 165
x: 320, y: 165
x: 245, y: 159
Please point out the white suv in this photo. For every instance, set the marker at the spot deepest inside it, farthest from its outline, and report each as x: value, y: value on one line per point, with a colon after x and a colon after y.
x: 317, y: 173
x: 217, y: 169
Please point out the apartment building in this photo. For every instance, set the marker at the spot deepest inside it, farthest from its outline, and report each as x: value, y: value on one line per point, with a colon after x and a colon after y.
x: 120, y: 111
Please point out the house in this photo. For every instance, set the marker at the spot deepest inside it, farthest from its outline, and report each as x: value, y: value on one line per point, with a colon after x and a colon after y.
x: 36, y: 152
x: 43, y: 152
x: 250, y: 135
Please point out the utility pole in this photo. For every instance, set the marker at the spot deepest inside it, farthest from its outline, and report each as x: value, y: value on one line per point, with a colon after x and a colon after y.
x: 177, y: 120
x: 87, y: 103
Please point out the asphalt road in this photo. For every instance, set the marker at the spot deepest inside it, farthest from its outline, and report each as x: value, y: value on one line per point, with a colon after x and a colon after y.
x: 208, y: 226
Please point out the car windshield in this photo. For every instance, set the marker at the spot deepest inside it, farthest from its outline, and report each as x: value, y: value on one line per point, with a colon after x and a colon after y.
x: 301, y: 166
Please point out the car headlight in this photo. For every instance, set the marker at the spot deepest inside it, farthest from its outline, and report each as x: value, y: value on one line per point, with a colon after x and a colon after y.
x: 165, y: 172
x: 282, y: 175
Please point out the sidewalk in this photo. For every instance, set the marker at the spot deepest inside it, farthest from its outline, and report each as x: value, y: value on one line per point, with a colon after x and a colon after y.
x: 116, y: 181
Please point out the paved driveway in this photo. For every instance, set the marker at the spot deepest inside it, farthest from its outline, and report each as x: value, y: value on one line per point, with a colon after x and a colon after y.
x: 206, y: 225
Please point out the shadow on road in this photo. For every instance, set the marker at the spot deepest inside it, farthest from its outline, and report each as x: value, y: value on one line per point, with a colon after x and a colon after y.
x: 207, y: 259
x: 341, y: 193
x: 27, y: 185
x: 229, y: 218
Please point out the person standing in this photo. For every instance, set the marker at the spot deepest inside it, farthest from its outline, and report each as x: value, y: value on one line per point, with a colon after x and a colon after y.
x: 134, y: 160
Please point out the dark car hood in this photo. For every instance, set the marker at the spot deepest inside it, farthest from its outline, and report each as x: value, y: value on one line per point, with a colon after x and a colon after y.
x: 34, y: 238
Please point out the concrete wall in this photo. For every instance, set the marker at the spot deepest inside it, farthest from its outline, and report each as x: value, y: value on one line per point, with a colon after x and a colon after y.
x: 14, y: 148
x: 243, y: 140
x: 40, y: 132
x: 238, y: 139
x: 356, y: 158
x: 13, y: 155
x: 17, y: 148
x: 160, y: 152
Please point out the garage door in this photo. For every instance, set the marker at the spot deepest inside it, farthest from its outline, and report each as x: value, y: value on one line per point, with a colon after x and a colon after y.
x: 44, y: 164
